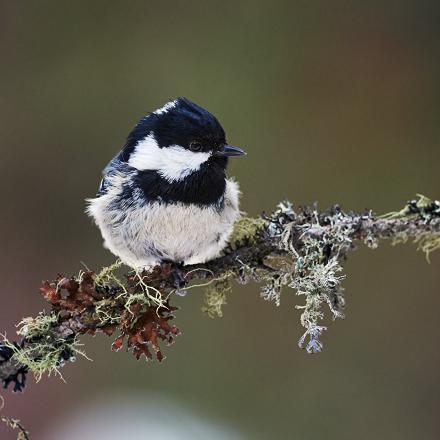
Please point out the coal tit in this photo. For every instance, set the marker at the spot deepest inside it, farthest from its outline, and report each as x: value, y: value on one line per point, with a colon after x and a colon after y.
x: 165, y: 196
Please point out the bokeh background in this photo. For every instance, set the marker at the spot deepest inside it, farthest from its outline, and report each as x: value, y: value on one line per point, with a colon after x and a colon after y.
x: 334, y: 102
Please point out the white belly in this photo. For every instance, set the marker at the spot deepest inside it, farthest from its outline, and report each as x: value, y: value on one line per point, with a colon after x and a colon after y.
x: 143, y: 236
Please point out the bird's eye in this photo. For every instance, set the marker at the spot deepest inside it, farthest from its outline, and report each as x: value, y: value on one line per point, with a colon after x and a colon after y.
x: 195, y: 146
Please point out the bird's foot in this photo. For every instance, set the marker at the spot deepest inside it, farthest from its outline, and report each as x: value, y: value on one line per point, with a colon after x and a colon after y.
x: 176, y: 275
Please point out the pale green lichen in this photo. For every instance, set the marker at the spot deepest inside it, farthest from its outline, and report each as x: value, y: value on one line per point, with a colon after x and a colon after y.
x: 106, y: 312
x: 399, y: 238
x: 412, y: 209
x: 273, y: 284
x: 317, y: 243
x: 428, y: 244
x: 320, y: 283
x: 316, y: 276
x: 150, y: 295
x: 319, y: 278
x: 45, y: 349
x: 315, y: 248
x: 107, y: 278
x: 43, y: 352
x: 215, y: 295
x: 137, y: 298
x: 426, y: 209
x: 245, y: 231
x: 47, y: 355
x: 36, y: 327
x: 215, y: 298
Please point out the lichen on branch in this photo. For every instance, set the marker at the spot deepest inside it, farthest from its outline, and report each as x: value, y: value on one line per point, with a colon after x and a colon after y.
x: 302, y: 249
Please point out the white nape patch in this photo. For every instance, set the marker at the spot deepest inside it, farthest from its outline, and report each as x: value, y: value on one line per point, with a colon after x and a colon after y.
x: 173, y: 163
x: 168, y: 106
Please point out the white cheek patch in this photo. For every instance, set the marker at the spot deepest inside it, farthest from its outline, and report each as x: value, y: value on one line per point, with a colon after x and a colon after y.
x: 168, y: 106
x: 181, y: 162
x: 173, y: 163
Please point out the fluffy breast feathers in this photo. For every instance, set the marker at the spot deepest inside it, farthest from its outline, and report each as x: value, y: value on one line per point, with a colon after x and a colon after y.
x: 144, y: 234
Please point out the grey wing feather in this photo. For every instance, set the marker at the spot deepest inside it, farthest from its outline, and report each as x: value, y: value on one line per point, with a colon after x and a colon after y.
x: 112, y: 166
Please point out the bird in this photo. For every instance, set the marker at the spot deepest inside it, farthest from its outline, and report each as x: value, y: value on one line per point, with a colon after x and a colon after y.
x: 165, y: 197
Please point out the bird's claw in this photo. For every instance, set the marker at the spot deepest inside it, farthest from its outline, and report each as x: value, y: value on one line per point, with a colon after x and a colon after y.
x: 176, y: 275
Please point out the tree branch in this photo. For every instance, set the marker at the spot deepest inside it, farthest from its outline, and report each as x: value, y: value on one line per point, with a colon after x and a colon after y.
x: 301, y: 249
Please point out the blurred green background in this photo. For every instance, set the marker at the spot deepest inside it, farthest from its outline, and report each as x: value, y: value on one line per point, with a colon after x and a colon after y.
x: 334, y: 102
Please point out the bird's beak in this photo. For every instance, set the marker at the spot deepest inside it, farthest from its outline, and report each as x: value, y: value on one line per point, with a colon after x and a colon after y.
x: 229, y: 150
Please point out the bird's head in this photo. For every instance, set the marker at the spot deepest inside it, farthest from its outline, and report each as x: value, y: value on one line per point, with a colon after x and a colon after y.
x: 177, y: 140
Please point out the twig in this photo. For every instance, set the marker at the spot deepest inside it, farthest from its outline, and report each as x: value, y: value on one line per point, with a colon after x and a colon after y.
x: 14, y: 424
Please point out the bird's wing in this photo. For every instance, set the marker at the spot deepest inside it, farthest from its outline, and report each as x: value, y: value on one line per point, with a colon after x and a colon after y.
x: 113, y: 166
